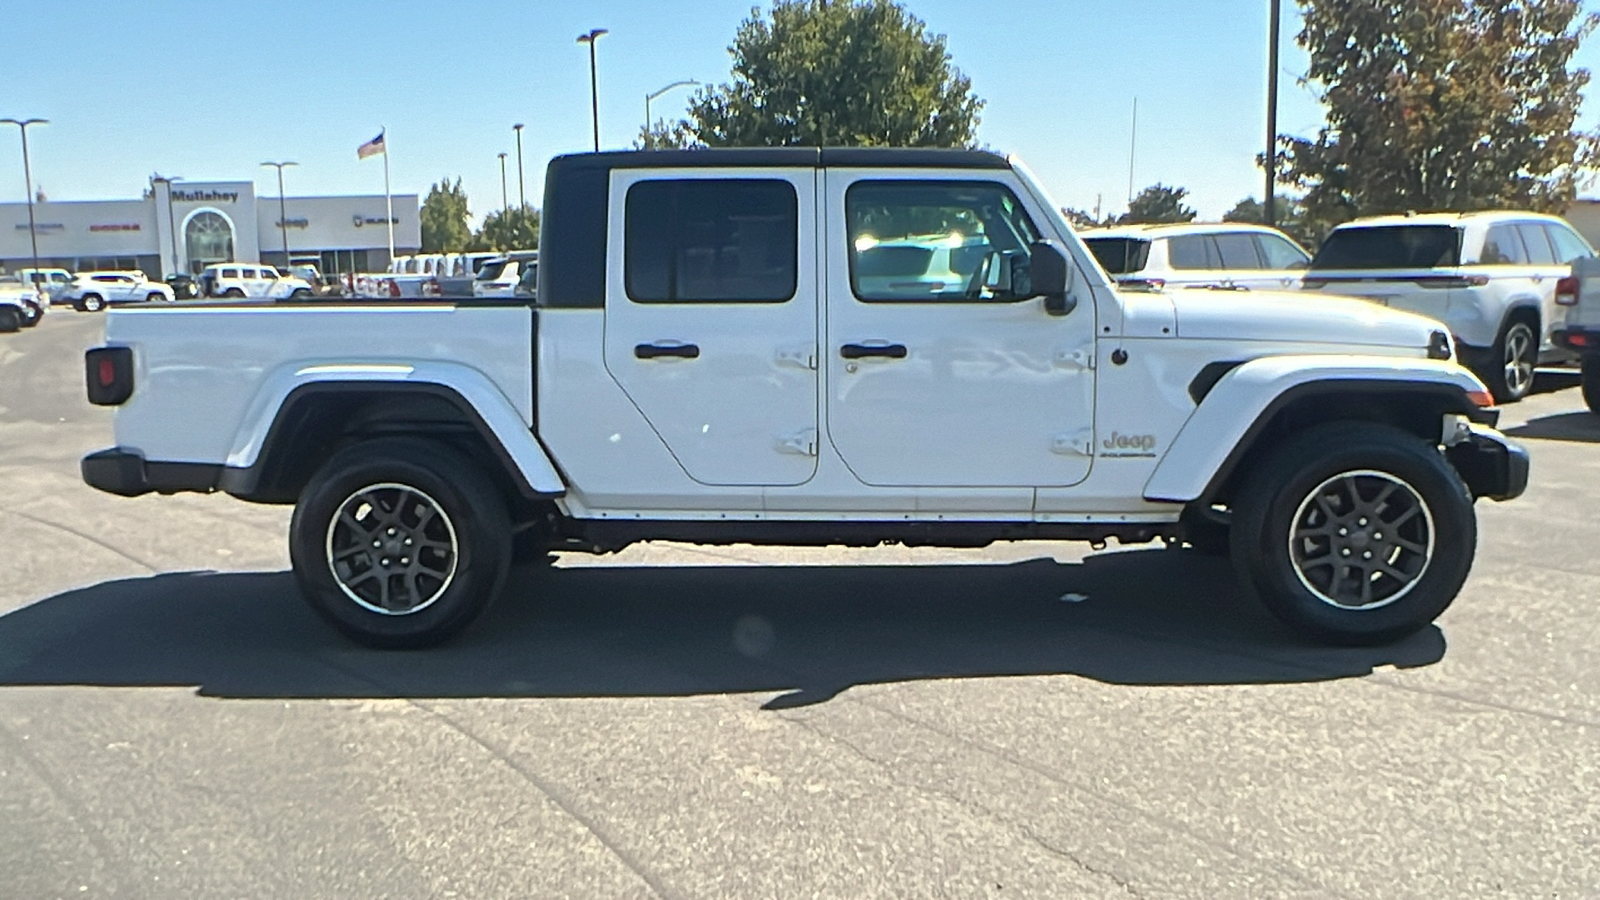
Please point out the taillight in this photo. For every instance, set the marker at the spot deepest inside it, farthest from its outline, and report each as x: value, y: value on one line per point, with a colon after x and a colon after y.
x: 109, y: 373
x: 1567, y: 290
x: 394, y: 288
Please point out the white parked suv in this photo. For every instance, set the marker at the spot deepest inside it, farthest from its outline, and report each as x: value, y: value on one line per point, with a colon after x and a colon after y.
x: 94, y: 291
x: 50, y: 282
x: 1490, y: 276
x: 1215, y: 255
x: 253, y: 281
x: 21, y: 306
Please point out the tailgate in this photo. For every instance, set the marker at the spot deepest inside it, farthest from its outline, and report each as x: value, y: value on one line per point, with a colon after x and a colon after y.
x: 1423, y: 291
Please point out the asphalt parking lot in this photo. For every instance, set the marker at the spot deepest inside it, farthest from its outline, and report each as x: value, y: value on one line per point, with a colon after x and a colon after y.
x: 683, y: 722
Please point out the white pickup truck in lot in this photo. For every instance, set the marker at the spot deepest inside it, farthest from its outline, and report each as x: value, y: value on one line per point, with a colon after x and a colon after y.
x: 706, y: 362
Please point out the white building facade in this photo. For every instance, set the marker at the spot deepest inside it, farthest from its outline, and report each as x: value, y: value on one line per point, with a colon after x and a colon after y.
x: 183, y: 226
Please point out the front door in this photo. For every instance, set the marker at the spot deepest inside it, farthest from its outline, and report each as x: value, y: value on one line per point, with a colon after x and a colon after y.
x: 939, y: 374
x: 711, y: 317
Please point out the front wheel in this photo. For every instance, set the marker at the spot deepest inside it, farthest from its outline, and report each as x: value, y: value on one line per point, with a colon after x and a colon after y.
x: 92, y: 303
x: 399, y: 543
x: 1591, y: 382
x: 31, y: 315
x: 10, y: 318
x: 1355, y: 533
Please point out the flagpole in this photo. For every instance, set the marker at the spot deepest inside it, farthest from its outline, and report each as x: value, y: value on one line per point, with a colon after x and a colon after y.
x: 388, y: 198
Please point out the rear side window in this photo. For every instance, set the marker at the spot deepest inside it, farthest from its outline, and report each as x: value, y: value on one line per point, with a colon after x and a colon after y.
x: 1390, y: 247
x: 1120, y: 256
x: 230, y: 273
x: 1502, y: 247
x: 1238, y: 251
x: 1280, y: 253
x: 711, y: 241
x: 1540, y: 253
x: 1192, y: 251
x: 1568, y: 245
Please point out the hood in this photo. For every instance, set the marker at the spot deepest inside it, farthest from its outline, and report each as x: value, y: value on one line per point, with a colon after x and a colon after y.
x: 1297, y: 317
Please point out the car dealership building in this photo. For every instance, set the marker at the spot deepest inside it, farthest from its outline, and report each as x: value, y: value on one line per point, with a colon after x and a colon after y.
x: 183, y: 226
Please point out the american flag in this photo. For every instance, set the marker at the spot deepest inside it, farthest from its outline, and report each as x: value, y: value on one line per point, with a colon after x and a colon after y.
x: 371, y: 148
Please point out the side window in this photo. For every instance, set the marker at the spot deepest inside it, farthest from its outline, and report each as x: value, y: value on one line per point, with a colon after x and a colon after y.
x: 105, y: 279
x: 1280, y: 253
x: 1238, y: 251
x: 1540, y: 253
x: 230, y: 273
x: 1501, y: 247
x: 936, y: 241
x: 1191, y: 251
x: 711, y: 241
x: 1568, y: 245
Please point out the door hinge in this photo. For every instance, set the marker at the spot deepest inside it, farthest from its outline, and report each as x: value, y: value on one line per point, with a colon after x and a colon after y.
x: 1083, y: 357
x: 802, y: 443
x: 1074, y: 443
x: 799, y: 357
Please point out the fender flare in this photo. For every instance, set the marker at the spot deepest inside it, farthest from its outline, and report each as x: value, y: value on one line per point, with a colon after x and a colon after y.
x: 1244, y: 401
x: 496, y: 417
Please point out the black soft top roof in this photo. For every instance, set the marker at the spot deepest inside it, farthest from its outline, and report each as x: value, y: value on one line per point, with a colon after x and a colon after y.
x: 781, y: 157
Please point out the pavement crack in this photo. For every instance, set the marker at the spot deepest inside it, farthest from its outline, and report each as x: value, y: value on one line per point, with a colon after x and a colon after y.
x: 553, y: 793
x: 79, y: 534
x: 968, y: 804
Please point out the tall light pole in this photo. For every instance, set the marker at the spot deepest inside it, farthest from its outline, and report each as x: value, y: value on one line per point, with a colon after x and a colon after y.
x: 505, y: 201
x: 1268, y: 206
x: 172, y: 220
x: 522, y: 193
x: 651, y: 96
x: 594, y: 81
x: 283, y: 216
x: 27, y: 180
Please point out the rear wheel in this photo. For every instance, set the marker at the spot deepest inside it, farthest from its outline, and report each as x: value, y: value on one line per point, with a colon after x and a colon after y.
x: 400, y: 543
x: 31, y: 315
x: 1355, y: 533
x: 1508, y: 369
x: 157, y: 297
x: 1591, y: 382
x: 300, y: 294
x: 233, y: 293
x: 92, y: 303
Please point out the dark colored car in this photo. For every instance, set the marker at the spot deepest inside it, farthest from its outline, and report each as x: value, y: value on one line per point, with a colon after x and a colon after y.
x: 184, y: 287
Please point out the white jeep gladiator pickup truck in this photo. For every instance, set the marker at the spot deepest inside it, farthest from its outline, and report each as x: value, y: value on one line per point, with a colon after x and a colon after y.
x: 816, y: 346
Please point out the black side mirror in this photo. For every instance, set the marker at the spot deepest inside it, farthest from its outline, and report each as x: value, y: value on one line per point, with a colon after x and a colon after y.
x: 1049, y: 275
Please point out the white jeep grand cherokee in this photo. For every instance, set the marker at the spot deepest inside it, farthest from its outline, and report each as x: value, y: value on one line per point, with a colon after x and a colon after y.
x: 1490, y: 276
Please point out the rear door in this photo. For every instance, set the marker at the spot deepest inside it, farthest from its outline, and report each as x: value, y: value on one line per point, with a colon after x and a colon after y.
x: 966, y: 385
x: 711, y: 317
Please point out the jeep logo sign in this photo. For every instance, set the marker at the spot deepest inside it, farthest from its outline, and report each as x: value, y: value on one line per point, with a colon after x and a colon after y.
x: 1129, y: 445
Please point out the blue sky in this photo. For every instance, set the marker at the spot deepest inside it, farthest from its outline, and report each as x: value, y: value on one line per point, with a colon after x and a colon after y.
x: 207, y: 90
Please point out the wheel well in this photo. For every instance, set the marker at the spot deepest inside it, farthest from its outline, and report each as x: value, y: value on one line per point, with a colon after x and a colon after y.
x: 1527, y: 314
x: 1419, y: 411
x: 317, y: 421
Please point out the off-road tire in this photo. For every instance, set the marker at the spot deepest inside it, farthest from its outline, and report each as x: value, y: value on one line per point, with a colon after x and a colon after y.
x: 1204, y: 535
x: 395, y: 481
x: 233, y: 294
x: 10, y: 319
x: 1591, y: 381
x: 1277, y: 510
x: 31, y: 315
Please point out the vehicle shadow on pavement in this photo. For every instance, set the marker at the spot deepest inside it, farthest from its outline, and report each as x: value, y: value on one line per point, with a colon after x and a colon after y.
x: 1143, y: 617
x: 1582, y: 427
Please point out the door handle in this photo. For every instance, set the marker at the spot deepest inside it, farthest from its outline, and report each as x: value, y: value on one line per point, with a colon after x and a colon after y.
x: 681, y: 351
x: 862, y: 351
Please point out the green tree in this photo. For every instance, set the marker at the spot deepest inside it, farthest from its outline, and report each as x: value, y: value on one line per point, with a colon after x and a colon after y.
x: 1441, y: 105
x: 444, y: 218
x: 833, y: 73
x: 1081, y: 219
x: 1157, y: 204
x: 1288, y: 216
x: 508, y: 229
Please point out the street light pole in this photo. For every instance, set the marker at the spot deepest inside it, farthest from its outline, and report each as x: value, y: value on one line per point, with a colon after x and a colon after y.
x: 594, y: 81
x: 27, y: 180
x: 1268, y: 206
x: 648, y: 97
x: 522, y: 193
x: 505, y: 201
x: 283, y: 216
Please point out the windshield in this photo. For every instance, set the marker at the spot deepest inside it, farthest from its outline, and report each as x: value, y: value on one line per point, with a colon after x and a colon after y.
x: 1120, y: 256
x: 1391, y: 247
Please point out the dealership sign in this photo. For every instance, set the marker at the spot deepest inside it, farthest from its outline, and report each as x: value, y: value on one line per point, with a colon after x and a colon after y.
x: 121, y: 226
x: 292, y: 223
x: 205, y: 196
x: 359, y: 220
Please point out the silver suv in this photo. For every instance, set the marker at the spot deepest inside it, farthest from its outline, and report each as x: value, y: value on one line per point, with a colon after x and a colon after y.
x: 1491, y: 277
x: 1220, y: 255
